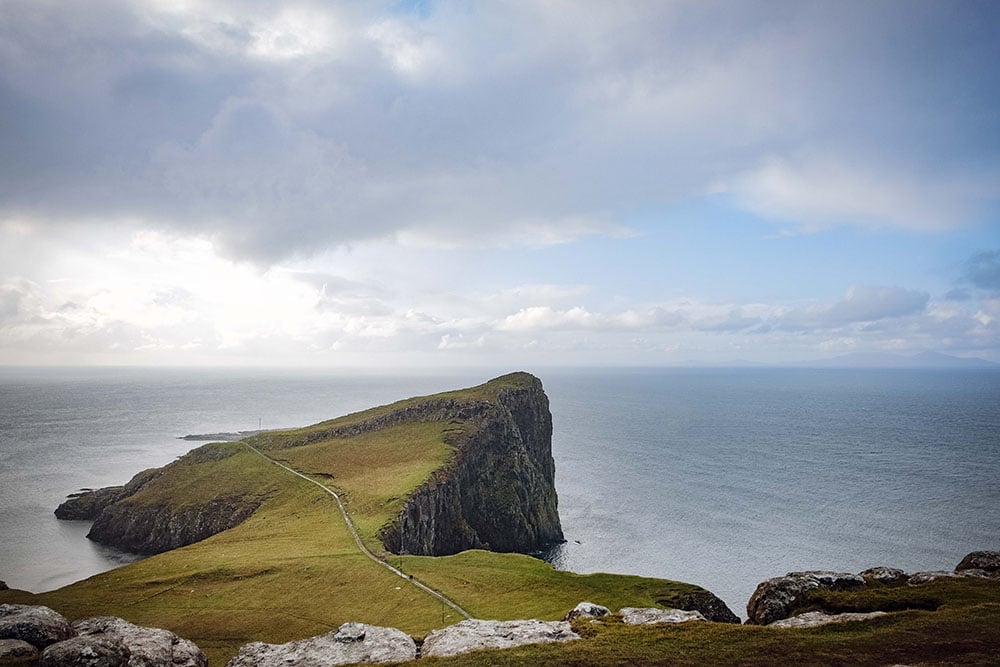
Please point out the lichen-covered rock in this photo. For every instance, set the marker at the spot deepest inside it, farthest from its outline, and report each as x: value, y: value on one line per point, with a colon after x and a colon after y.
x: 586, y: 610
x: 987, y: 561
x: 812, y: 619
x: 652, y: 616
x: 17, y: 652
x: 351, y: 643
x: 475, y: 635
x: 37, y: 625
x: 887, y: 576
x: 777, y: 598
x: 918, y: 578
x: 148, y: 647
x: 707, y: 603
x: 85, y: 652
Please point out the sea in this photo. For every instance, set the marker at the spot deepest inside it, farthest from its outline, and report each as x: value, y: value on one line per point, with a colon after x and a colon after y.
x: 714, y: 476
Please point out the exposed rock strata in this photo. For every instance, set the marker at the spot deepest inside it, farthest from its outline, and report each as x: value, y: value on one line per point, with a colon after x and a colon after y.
x: 653, y: 616
x: 351, y: 643
x: 498, y: 490
x: 812, y: 619
x: 141, y: 528
x: 476, y: 635
x: 88, y: 505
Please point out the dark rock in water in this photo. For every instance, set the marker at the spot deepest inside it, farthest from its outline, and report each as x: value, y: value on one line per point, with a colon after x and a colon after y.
x: 707, y: 603
x: 86, y: 652
x: 586, y: 610
x: 777, y: 598
x: 17, y: 652
x: 988, y: 561
x: 887, y: 576
x: 351, y: 643
x: 87, y: 505
x: 142, y: 528
x: 497, y: 492
x: 148, y: 647
x: 475, y: 635
x: 39, y: 626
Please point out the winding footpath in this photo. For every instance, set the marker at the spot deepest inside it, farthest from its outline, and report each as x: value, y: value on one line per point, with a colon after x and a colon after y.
x: 357, y: 540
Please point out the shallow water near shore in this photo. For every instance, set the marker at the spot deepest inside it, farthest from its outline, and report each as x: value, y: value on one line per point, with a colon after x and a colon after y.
x: 719, y: 477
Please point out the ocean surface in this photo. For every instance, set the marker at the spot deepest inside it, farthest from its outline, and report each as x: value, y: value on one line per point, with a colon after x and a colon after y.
x: 719, y: 477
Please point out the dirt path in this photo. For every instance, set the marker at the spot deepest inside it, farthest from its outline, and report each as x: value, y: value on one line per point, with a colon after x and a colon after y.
x: 357, y: 540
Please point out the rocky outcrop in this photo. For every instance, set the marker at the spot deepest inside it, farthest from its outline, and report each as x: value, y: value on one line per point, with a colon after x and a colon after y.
x: 654, y: 616
x: 351, y: 643
x: 586, y: 610
x: 86, y: 652
x: 88, y: 505
x: 33, y: 635
x: 887, y: 576
x: 498, y: 490
x: 17, y: 652
x: 475, y: 635
x: 148, y: 647
x: 987, y: 562
x: 142, y: 528
x: 708, y: 604
x: 811, y: 619
x: 39, y: 626
x: 777, y: 598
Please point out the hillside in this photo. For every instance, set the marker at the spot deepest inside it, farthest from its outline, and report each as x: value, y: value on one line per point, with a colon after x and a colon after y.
x: 284, y: 564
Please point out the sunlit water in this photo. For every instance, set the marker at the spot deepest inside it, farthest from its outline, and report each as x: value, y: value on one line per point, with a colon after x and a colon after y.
x: 718, y: 477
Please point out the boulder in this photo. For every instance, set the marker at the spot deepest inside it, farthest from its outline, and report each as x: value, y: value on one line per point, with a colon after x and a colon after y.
x: 17, y: 652
x: 85, y: 652
x: 148, y: 647
x: 888, y: 576
x: 709, y: 604
x: 918, y: 578
x: 652, y: 616
x: 4, y: 586
x: 474, y: 635
x: 351, y: 643
x: 777, y: 598
x: 813, y: 618
x: 586, y: 610
x: 988, y: 561
x: 39, y: 626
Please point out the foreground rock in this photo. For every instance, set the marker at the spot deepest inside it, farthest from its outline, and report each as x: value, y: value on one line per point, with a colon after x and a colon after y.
x: 708, y: 604
x: 36, y: 625
x: 475, y: 635
x: 17, y: 652
x: 86, y: 652
x: 148, y: 647
x: 887, y: 576
x: 652, y: 616
x: 586, y: 610
x: 987, y: 562
x: 812, y: 619
x: 351, y: 643
x: 776, y: 598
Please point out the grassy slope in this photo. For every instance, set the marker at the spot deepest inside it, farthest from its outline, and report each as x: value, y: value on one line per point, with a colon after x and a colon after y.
x: 962, y: 631
x: 292, y: 569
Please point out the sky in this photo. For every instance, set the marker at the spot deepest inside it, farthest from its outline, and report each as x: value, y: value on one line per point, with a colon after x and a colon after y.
x: 462, y: 183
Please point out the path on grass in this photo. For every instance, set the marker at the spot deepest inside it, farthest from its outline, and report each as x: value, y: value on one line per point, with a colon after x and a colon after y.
x: 357, y: 539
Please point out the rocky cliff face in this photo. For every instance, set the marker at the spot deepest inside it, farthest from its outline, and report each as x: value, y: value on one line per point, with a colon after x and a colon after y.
x: 498, y: 491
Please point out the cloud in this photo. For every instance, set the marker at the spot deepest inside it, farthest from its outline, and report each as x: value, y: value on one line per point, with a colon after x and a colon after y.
x: 284, y: 130
x: 866, y: 303
x: 983, y: 270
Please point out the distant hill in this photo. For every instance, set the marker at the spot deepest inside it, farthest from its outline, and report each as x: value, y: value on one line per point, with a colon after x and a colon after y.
x: 890, y: 360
